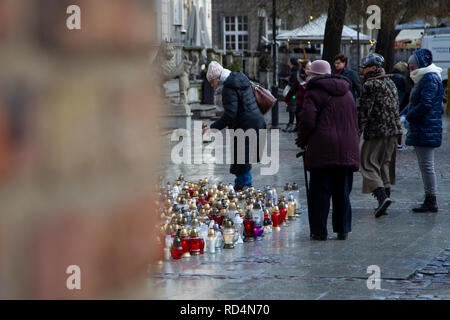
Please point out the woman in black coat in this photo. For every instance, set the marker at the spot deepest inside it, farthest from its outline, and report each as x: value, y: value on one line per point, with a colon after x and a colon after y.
x: 291, y: 106
x: 240, y: 112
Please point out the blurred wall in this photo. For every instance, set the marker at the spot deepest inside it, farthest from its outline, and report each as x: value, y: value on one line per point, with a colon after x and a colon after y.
x: 78, y: 146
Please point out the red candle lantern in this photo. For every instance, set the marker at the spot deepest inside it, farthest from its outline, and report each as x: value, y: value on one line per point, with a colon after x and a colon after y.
x: 195, y: 242
x: 185, y: 243
x: 283, y: 212
x: 276, y: 218
x: 177, y: 249
x: 248, y: 227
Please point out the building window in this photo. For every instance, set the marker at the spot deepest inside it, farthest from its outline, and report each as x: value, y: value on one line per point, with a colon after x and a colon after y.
x: 235, y: 33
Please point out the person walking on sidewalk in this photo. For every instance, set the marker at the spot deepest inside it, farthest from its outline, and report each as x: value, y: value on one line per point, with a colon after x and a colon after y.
x: 340, y: 67
x: 240, y: 112
x: 297, y: 91
x: 329, y: 131
x: 291, y: 106
x: 424, y: 114
x: 379, y: 121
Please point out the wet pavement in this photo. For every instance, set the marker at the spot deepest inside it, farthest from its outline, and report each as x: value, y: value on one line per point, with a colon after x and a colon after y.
x: 412, y: 250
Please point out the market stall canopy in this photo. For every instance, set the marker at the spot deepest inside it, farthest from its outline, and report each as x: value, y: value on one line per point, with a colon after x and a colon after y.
x: 409, y: 38
x: 315, y: 31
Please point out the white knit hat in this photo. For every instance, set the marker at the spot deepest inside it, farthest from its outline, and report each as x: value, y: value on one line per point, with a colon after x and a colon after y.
x: 214, y: 71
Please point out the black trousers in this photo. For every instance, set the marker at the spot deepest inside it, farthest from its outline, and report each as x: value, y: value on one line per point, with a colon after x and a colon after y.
x: 337, y: 184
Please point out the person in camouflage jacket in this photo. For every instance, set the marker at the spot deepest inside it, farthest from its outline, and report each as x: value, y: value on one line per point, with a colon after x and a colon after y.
x: 378, y: 113
x: 379, y: 123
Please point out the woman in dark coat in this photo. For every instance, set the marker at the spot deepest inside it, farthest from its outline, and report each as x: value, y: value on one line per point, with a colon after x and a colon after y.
x: 240, y: 112
x: 424, y: 114
x: 297, y: 91
x: 329, y: 131
x: 291, y: 106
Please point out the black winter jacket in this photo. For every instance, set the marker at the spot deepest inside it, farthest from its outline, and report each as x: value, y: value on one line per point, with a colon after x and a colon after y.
x: 240, y: 108
x: 240, y: 112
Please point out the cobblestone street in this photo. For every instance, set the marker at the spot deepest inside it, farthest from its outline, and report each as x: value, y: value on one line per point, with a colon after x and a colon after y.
x: 412, y: 250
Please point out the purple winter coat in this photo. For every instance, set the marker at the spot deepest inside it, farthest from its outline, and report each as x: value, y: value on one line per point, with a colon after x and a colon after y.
x: 332, y: 140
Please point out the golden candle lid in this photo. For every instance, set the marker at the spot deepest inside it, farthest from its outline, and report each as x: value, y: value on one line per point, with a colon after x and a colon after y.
x: 162, y: 216
x: 194, y: 232
x: 287, y: 187
x: 228, y: 224
x: 266, y: 211
x: 275, y: 209
x: 223, y: 212
x: 232, y: 206
x: 193, y: 215
x: 192, y: 206
x: 202, y: 212
x: 282, y: 205
x: 207, y: 206
x: 210, y: 192
x: 180, y: 177
x: 182, y: 201
x: 183, y: 232
x: 235, y: 200
x: 168, y: 202
x: 211, y: 232
x: 195, y: 222
x: 205, y: 180
x: 294, y: 186
x: 196, y: 194
x: 184, y: 221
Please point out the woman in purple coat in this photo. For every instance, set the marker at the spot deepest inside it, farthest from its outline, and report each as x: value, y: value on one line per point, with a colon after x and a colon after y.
x: 329, y: 132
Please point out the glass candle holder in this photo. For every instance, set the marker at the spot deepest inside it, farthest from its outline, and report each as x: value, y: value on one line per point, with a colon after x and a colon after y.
x: 219, y: 241
x: 283, y: 213
x: 177, y: 249
x: 276, y: 218
x: 248, y: 227
x: 194, y: 242
x: 211, y: 242
x: 239, y: 226
x: 228, y: 234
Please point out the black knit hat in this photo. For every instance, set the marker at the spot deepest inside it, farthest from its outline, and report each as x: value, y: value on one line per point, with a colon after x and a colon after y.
x: 294, y: 61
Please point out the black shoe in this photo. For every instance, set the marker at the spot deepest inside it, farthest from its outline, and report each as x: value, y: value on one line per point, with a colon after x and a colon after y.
x: 288, y: 128
x: 429, y: 205
x: 293, y: 129
x: 342, y: 236
x: 318, y: 238
x: 388, y: 192
x: 383, y: 201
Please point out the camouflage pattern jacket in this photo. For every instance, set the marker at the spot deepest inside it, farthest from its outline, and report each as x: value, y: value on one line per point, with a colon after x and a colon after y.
x: 378, y: 112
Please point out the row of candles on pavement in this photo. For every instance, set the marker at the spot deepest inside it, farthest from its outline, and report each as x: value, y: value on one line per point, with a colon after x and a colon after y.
x: 207, y: 217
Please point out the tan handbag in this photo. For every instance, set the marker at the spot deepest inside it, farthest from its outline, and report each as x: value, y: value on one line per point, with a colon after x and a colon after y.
x: 264, y: 98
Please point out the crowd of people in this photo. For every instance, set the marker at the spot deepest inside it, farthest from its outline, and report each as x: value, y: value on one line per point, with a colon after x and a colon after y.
x: 336, y: 108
